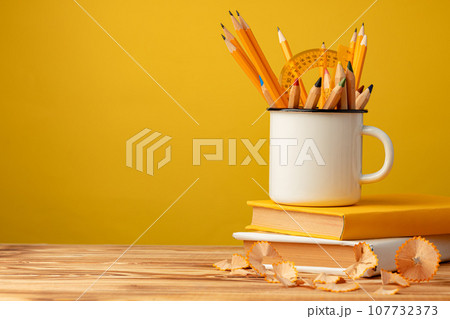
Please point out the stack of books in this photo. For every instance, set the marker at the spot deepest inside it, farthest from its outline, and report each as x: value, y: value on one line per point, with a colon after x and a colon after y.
x: 321, y: 239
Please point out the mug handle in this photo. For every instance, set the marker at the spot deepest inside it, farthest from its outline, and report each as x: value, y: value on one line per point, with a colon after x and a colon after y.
x: 388, y: 155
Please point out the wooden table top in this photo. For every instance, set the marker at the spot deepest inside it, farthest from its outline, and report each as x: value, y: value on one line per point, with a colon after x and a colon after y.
x: 63, y: 272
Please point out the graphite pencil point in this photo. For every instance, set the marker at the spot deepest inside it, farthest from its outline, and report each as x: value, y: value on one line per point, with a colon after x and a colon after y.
x: 349, y: 66
x: 318, y: 83
x: 230, y: 13
x: 370, y: 88
x: 223, y: 27
x: 223, y: 37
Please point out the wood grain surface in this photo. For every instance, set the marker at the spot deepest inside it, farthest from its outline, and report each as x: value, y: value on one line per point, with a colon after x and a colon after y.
x: 64, y: 272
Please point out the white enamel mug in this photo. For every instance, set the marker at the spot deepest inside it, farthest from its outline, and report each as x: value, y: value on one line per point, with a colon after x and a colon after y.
x: 315, y: 156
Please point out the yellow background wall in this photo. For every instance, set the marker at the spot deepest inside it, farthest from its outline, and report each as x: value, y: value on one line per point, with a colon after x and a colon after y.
x: 70, y: 98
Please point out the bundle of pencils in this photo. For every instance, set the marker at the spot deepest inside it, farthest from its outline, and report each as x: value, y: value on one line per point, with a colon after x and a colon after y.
x: 328, y: 93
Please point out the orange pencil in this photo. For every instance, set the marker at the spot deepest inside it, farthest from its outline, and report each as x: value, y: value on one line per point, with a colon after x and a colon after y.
x: 263, y: 59
x: 259, y: 65
x: 230, y: 37
x: 266, y: 93
x: 251, y: 73
x: 288, y: 55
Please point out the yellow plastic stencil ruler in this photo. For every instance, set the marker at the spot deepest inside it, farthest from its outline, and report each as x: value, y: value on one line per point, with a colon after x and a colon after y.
x: 309, y: 60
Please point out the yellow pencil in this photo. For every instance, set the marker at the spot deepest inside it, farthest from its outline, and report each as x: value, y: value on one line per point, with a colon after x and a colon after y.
x: 358, y: 43
x: 251, y: 73
x: 260, y: 54
x: 352, y: 45
x: 288, y: 55
x: 322, y: 73
x: 360, y: 62
x: 230, y: 37
x: 259, y: 65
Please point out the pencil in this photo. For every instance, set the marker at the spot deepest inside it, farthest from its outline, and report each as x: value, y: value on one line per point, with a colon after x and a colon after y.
x: 360, y: 62
x: 251, y: 73
x: 363, y: 99
x: 335, y: 96
x: 262, y: 58
x: 326, y: 84
x: 323, y: 50
x: 288, y: 55
x: 358, y: 43
x: 230, y: 37
x: 294, y: 96
x: 350, y: 76
x: 359, y: 91
x: 257, y: 62
x: 266, y: 93
x: 314, y: 95
x: 340, y: 75
x: 352, y: 45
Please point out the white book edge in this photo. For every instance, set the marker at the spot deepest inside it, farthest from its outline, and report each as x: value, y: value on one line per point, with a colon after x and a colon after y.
x: 384, y: 248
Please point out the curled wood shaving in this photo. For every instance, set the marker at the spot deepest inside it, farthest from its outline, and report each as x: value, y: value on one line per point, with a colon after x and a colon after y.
x: 383, y: 291
x: 417, y: 259
x: 365, y: 259
x: 257, y: 252
x: 388, y: 277
x: 237, y: 262
x: 333, y: 287
x: 323, y: 278
x: 286, y: 273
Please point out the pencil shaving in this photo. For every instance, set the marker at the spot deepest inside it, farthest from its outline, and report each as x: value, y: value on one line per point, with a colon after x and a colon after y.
x: 388, y: 277
x: 383, y: 291
x: 333, y: 287
x: 417, y: 259
x: 365, y: 260
x: 323, y: 278
x: 237, y: 262
x: 286, y: 273
x: 257, y: 252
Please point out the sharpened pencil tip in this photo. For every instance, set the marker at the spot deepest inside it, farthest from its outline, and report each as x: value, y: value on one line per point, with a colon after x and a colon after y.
x: 342, y: 83
x: 349, y: 66
x: 238, y: 13
x: 318, y: 83
x: 261, y: 81
x: 223, y: 37
x: 278, y: 29
x: 296, y: 82
x: 230, y: 13
x: 370, y: 88
x: 356, y: 29
x: 363, y: 24
x: 223, y: 27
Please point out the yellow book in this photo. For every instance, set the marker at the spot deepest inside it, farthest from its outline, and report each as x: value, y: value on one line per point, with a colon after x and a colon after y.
x: 375, y: 216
